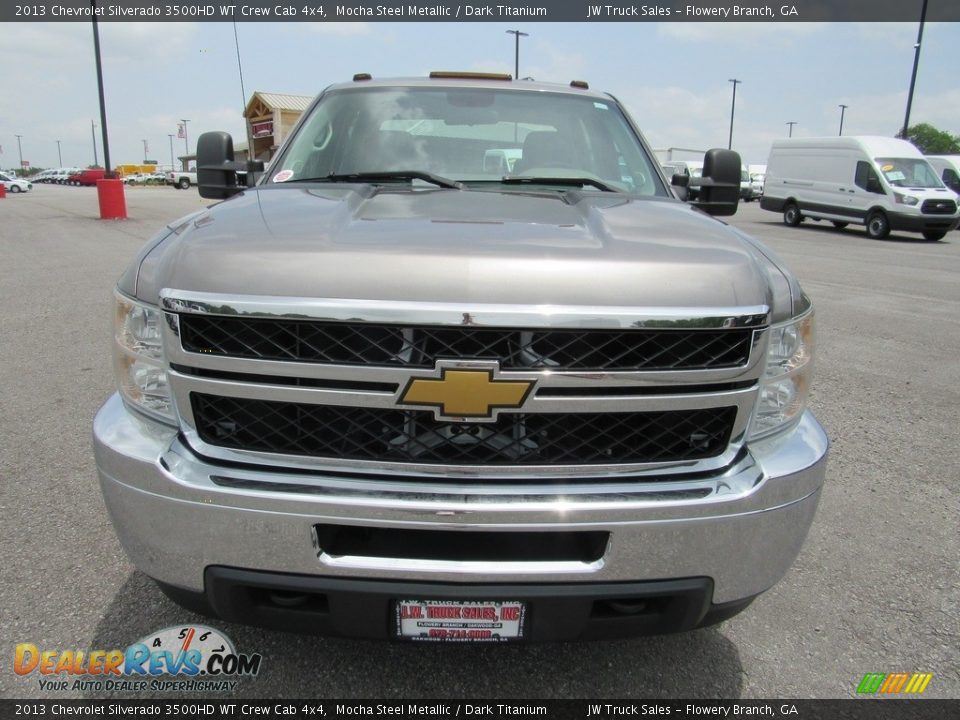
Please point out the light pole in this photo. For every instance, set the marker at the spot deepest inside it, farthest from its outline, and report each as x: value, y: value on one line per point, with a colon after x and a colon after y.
x: 733, y: 106
x: 20, y: 151
x: 791, y: 124
x: 144, y: 151
x: 843, y: 109
x: 916, y: 64
x: 516, y: 53
x: 172, y: 167
x: 59, y: 156
x: 186, y: 141
x: 93, y: 134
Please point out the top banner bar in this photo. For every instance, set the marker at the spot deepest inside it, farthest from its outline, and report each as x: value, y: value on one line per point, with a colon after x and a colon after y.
x: 502, y: 11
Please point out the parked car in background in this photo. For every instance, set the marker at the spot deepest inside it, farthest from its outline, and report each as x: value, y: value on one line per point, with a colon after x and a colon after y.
x: 691, y: 169
x: 746, y: 193
x: 43, y: 176
x: 181, y: 179
x: 135, y: 179
x: 62, y: 176
x: 880, y: 182
x: 948, y: 169
x: 87, y: 177
x: 15, y: 184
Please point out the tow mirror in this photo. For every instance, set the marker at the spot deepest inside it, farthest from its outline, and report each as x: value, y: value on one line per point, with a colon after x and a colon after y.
x: 680, y: 184
x: 719, y: 189
x: 217, y: 169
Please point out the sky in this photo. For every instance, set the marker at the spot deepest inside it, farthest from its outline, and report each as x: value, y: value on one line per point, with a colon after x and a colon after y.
x: 673, y: 78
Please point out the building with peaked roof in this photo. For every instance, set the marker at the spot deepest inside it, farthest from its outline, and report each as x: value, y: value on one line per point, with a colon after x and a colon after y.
x: 270, y: 118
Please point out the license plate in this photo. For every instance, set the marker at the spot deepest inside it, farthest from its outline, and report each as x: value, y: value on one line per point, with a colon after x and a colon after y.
x: 460, y: 621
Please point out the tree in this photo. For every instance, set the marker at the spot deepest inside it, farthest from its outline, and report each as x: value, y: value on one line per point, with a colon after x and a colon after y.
x: 931, y: 141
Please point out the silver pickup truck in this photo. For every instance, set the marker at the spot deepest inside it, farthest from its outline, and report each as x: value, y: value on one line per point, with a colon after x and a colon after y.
x: 389, y: 391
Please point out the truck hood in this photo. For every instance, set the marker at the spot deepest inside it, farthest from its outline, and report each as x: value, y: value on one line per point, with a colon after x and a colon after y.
x: 461, y: 246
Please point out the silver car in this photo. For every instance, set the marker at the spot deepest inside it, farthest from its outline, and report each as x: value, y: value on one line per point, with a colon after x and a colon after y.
x: 396, y: 390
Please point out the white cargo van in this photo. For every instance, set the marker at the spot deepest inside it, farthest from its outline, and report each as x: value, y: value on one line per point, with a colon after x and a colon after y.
x: 882, y: 183
x: 948, y: 169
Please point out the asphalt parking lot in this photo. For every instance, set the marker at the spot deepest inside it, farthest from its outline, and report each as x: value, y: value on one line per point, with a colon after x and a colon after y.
x: 876, y: 587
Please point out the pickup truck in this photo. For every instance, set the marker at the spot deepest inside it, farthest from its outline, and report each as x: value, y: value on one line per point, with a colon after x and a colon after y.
x: 181, y: 179
x: 392, y: 392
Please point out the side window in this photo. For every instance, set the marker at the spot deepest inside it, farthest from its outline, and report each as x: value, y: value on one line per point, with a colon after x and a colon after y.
x: 951, y: 179
x: 866, y: 178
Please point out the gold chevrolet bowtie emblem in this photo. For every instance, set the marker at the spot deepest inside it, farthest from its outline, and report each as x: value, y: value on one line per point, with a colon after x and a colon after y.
x: 466, y: 393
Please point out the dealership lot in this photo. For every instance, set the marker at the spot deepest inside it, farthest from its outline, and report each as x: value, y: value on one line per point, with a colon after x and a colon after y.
x: 875, y: 588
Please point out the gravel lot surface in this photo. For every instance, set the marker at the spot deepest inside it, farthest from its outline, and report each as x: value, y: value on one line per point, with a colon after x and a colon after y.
x: 876, y: 588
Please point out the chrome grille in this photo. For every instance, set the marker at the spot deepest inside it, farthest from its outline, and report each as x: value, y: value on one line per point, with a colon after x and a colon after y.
x: 359, y: 433
x: 421, y: 346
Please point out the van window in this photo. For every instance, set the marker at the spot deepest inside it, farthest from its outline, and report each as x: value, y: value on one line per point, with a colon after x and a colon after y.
x: 951, y: 179
x: 909, y: 172
x: 867, y: 179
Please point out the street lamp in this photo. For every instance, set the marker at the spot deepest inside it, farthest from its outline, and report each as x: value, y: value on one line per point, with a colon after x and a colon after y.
x: 93, y: 134
x: 843, y: 109
x: 20, y: 151
x: 516, y: 54
x: 916, y: 64
x: 59, y: 156
x: 172, y: 167
x: 733, y: 105
x: 791, y: 124
x: 144, y: 151
x: 186, y: 141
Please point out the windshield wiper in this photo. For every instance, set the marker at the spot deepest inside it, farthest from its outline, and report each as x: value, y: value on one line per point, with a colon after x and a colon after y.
x: 576, y: 181
x: 385, y: 176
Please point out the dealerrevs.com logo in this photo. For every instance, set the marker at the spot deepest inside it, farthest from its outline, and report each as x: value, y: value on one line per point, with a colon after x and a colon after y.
x: 179, y: 658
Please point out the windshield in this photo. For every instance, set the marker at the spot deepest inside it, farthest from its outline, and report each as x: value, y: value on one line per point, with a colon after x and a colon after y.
x: 470, y: 135
x: 909, y: 172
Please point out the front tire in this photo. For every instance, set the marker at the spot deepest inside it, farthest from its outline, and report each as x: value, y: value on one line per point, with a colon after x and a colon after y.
x: 14, y: 188
x: 791, y: 215
x: 184, y: 184
x: 934, y: 234
x: 878, y: 227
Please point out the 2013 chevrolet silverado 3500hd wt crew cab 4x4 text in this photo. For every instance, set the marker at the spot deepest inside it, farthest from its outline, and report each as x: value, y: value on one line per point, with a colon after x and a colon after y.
x: 390, y: 391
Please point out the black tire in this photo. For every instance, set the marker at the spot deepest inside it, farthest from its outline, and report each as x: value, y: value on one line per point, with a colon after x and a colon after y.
x: 839, y: 225
x: 878, y: 227
x: 184, y: 184
x: 14, y: 188
x: 934, y: 234
x: 791, y: 215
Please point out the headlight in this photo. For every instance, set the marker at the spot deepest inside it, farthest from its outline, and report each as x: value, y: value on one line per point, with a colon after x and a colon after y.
x: 905, y: 199
x: 138, y: 358
x: 784, y: 386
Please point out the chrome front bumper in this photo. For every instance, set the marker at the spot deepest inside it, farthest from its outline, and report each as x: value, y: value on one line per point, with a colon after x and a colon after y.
x: 177, y: 514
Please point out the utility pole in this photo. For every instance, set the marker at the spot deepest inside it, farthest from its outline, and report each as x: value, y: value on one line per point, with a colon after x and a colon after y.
x: 20, y: 151
x: 144, y: 151
x: 791, y: 124
x: 59, y: 155
x: 103, y: 105
x: 843, y: 109
x: 93, y: 134
x: 733, y: 106
x: 916, y: 64
x: 172, y: 166
x: 516, y: 54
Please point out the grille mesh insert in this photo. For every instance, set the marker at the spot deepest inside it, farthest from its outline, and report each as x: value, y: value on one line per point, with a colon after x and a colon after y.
x: 422, y: 346
x: 414, y: 436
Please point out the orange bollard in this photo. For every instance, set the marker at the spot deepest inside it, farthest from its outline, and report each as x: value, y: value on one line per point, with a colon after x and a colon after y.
x: 113, y: 205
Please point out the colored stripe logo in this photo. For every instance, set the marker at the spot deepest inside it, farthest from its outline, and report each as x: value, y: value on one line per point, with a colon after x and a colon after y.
x: 894, y: 683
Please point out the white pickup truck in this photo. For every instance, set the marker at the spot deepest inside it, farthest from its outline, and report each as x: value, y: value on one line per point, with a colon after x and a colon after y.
x: 181, y: 179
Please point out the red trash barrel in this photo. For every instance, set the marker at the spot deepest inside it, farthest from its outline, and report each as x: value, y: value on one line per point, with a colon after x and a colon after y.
x: 113, y: 205
x: 3, y: 190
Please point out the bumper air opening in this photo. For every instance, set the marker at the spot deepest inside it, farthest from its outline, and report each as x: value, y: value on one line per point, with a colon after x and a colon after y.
x: 356, y: 541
